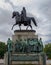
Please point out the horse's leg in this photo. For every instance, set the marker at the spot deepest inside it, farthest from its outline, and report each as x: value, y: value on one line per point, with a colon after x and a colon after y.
x: 27, y: 27
x: 13, y: 26
x: 20, y: 27
x: 31, y: 27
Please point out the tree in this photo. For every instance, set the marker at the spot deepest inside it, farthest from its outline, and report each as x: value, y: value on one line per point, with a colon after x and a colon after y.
x: 47, y: 50
x: 2, y: 49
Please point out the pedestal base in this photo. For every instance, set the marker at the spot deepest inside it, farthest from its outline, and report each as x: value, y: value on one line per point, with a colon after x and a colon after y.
x: 24, y: 34
x: 26, y: 59
x: 26, y: 51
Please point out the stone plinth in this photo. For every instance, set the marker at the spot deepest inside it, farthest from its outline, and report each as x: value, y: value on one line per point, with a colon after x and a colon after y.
x: 37, y: 60
x: 25, y: 40
x: 39, y: 56
x: 24, y: 34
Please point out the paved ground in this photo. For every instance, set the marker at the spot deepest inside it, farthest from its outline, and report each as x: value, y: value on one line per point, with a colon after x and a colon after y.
x: 1, y: 60
x: 1, y: 64
x: 48, y: 62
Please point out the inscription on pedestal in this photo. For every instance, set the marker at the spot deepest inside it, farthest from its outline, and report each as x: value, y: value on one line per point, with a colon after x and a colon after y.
x: 25, y: 57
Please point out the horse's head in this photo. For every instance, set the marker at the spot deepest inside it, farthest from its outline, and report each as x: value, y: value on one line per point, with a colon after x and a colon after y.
x: 13, y: 14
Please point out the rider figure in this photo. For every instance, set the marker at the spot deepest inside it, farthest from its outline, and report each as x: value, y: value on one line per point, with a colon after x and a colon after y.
x: 23, y: 14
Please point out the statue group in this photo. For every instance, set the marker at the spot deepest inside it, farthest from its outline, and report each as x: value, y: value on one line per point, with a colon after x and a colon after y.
x: 23, y: 19
x: 26, y: 48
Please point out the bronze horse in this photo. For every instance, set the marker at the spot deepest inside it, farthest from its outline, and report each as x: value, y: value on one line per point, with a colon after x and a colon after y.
x: 19, y: 20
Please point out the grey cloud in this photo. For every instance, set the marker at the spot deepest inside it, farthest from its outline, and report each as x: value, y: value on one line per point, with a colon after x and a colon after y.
x: 6, y: 23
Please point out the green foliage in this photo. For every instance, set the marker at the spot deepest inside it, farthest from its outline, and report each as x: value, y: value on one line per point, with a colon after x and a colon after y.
x: 2, y: 49
x: 47, y: 50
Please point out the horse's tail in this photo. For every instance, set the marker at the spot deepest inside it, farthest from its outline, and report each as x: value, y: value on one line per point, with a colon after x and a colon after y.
x: 34, y: 21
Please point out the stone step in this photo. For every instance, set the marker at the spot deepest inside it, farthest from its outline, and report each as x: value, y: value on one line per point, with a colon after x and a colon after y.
x: 25, y: 63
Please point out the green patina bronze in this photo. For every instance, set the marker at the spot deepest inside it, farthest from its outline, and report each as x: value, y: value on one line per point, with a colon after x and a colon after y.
x: 29, y: 45
x: 9, y: 44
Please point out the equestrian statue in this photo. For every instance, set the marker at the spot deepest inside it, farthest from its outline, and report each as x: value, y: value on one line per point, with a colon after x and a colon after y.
x: 23, y: 19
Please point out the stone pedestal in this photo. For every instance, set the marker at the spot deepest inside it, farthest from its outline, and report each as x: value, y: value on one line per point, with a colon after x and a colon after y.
x: 6, y: 58
x: 24, y: 34
x: 37, y: 60
x: 25, y: 58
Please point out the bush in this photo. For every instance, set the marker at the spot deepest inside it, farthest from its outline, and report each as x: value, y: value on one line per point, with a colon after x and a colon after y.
x: 2, y: 49
x: 47, y: 50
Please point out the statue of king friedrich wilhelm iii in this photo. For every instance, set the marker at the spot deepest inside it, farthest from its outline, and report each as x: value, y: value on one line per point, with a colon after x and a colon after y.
x: 23, y: 19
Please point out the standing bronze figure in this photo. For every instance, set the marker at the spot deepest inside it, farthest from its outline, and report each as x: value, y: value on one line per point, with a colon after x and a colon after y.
x: 23, y: 19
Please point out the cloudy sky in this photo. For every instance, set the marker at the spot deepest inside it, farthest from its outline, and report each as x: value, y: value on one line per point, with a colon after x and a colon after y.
x: 39, y: 9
